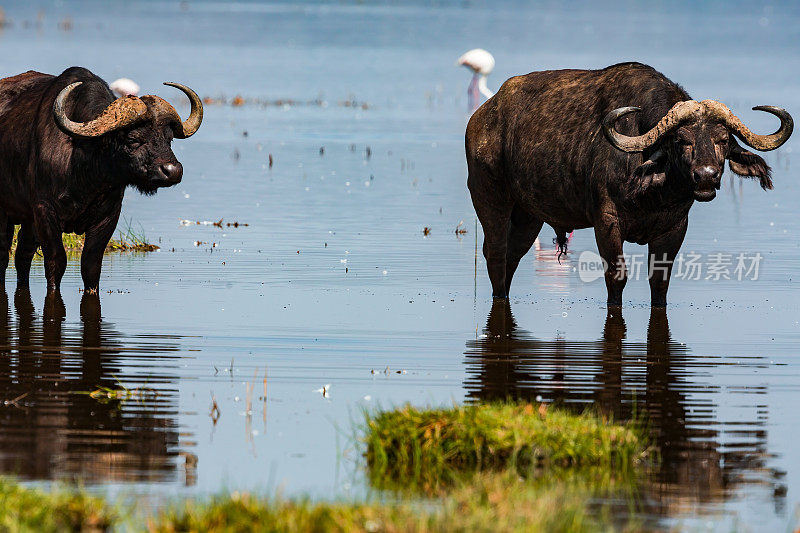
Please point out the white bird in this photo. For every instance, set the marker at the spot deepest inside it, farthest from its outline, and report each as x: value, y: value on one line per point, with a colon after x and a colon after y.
x: 481, y: 63
x: 124, y: 87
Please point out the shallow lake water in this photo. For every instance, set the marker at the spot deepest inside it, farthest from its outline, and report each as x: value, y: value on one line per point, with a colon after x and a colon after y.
x: 333, y: 284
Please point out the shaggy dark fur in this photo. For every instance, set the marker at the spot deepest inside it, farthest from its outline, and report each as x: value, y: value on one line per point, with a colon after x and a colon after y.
x: 536, y: 153
x: 51, y: 183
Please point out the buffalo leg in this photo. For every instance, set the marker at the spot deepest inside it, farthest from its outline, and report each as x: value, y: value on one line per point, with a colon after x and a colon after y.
x: 495, y: 223
x: 662, y: 252
x: 609, y: 243
x: 49, y: 233
x: 6, y: 236
x: 493, y: 206
x: 26, y: 249
x: 522, y: 232
x: 94, y: 246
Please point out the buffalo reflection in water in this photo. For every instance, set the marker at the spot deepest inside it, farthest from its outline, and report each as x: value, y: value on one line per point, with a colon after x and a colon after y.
x: 51, y: 429
x: 704, y: 457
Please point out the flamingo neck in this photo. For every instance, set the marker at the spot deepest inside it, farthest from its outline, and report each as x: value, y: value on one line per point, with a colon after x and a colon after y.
x: 485, y: 91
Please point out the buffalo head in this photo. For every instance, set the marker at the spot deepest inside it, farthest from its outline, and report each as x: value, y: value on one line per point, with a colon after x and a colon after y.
x: 696, y: 138
x: 138, y: 132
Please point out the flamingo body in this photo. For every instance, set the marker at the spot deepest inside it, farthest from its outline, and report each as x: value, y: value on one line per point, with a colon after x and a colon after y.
x: 478, y: 60
x: 481, y: 63
x: 124, y: 87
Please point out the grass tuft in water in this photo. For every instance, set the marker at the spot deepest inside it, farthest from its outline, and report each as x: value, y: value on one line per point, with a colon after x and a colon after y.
x: 424, y: 447
x: 28, y: 509
x: 127, y: 240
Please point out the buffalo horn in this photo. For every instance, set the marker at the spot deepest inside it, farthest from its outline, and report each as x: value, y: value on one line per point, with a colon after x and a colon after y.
x: 120, y: 113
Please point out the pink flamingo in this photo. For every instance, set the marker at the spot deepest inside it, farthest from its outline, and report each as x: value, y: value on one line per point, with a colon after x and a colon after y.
x: 481, y: 63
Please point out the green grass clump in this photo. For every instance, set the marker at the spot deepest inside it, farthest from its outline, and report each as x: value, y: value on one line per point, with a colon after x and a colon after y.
x: 491, y: 502
x: 26, y: 509
x: 127, y: 240
x: 424, y: 446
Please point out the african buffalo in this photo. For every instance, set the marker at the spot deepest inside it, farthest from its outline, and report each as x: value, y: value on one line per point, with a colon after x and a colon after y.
x: 68, y: 150
x: 565, y: 147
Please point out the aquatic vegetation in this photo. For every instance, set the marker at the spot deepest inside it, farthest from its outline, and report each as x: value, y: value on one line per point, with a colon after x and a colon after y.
x: 412, y: 446
x: 492, y: 438
x: 490, y: 503
x: 30, y: 509
x: 127, y: 240
x: 107, y: 394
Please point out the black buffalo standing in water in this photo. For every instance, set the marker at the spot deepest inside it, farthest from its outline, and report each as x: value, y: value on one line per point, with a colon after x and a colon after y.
x: 539, y: 151
x: 68, y: 150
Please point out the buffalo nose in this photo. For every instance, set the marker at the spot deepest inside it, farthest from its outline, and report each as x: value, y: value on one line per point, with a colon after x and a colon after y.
x: 172, y: 171
x: 705, y: 174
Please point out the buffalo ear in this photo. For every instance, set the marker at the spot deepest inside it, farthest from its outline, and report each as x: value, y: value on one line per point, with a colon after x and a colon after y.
x: 651, y: 173
x: 749, y: 165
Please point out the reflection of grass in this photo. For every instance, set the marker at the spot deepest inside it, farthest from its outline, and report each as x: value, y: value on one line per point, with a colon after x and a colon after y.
x: 487, y: 446
x: 127, y: 240
x: 25, y: 509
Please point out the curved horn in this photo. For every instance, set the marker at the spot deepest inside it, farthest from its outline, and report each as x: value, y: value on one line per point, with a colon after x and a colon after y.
x: 674, y: 117
x: 763, y: 143
x: 119, y: 114
x: 623, y: 142
x: 191, y: 124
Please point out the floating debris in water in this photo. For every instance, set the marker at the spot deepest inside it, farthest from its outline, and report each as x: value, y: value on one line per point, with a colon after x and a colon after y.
x: 387, y: 371
x: 65, y: 24
x: 15, y: 400
x: 286, y: 103
x: 215, y: 412
x: 217, y: 223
